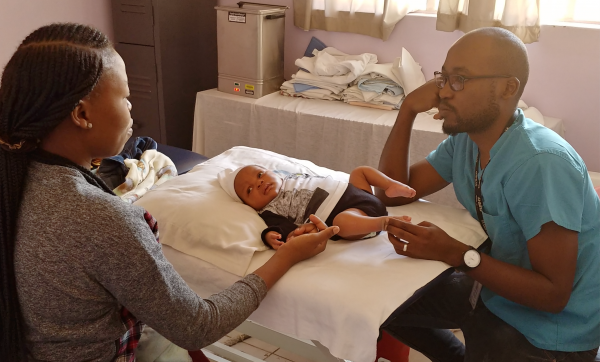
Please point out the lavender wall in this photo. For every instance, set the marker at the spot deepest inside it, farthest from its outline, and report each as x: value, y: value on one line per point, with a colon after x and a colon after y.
x: 18, y: 18
x: 565, y: 67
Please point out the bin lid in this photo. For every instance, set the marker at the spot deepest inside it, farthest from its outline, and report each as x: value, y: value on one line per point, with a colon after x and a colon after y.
x: 254, y: 8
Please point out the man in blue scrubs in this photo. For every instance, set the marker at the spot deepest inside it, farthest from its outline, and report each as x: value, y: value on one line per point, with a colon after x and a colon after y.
x: 535, y: 296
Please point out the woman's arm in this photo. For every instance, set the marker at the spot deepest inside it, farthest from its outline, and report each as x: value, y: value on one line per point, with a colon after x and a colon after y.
x: 141, y: 279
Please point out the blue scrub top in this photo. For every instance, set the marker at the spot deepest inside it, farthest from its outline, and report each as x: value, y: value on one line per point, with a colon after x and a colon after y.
x: 534, y: 177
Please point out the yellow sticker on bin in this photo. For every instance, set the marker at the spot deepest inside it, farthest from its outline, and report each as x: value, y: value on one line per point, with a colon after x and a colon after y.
x: 249, y: 87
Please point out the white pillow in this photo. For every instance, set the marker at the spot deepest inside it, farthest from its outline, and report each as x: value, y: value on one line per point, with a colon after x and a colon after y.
x: 197, y: 217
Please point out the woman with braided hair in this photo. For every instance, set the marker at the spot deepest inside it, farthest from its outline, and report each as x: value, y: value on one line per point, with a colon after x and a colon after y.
x: 79, y: 268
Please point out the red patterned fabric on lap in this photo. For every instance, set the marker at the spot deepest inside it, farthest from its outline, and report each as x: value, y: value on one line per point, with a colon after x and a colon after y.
x: 127, y: 344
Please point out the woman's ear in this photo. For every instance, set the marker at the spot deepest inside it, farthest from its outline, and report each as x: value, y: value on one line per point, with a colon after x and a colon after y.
x: 513, y: 85
x: 79, y: 115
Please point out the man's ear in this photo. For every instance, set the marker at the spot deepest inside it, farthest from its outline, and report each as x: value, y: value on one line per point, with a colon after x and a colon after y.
x: 79, y: 114
x: 513, y: 84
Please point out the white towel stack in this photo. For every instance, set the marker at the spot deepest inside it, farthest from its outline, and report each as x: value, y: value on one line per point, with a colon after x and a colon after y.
x: 355, y: 79
x: 327, y: 74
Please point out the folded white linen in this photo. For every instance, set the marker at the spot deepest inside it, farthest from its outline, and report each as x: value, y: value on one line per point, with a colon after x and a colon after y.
x: 384, y: 70
x: 376, y: 83
x: 325, y: 67
x: 354, y: 94
x: 334, y: 88
x: 287, y: 89
x: 312, y: 94
x: 331, y: 62
x: 317, y: 93
x: 341, y: 80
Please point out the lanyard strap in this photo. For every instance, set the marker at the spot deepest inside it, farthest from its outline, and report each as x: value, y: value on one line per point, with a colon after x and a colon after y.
x: 478, y: 194
x: 479, y: 181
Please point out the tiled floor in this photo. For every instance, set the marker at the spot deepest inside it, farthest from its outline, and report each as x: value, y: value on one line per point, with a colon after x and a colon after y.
x: 270, y: 353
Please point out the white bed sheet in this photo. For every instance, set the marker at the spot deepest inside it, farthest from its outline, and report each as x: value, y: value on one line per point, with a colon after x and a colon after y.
x: 342, y: 296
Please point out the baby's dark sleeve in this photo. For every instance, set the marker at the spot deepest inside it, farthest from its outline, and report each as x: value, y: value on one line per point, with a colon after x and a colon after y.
x: 277, y: 223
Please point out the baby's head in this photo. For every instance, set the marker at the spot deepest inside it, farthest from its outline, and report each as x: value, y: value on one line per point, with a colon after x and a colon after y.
x: 254, y: 185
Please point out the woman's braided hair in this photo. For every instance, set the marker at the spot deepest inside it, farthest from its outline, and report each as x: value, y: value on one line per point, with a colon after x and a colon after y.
x: 52, y: 70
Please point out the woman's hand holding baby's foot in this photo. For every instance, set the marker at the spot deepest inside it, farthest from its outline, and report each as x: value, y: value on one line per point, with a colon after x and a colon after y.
x: 386, y: 220
x: 272, y: 238
x: 397, y: 189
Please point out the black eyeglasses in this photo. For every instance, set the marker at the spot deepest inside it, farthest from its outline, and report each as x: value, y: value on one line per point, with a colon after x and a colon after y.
x: 457, y: 82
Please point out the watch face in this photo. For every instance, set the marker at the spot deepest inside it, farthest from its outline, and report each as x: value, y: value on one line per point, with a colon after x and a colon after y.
x: 472, y: 258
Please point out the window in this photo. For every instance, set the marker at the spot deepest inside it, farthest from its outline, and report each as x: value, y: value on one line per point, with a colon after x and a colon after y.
x: 580, y: 11
x: 551, y: 11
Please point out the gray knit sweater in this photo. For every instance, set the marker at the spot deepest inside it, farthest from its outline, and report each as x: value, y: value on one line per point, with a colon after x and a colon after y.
x: 81, y: 254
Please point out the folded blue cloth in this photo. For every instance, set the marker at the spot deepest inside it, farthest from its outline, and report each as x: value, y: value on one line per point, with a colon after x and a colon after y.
x: 299, y: 87
x: 380, y: 85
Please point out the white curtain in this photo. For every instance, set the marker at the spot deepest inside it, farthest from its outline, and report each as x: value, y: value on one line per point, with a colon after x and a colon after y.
x: 375, y: 18
x: 522, y: 17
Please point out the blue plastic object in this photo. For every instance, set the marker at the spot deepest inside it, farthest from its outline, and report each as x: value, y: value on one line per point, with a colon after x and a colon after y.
x: 312, y: 45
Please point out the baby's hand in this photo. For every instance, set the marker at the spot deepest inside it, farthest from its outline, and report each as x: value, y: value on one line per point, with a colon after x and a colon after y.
x: 397, y: 189
x: 272, y: 238
x: 308, y: 228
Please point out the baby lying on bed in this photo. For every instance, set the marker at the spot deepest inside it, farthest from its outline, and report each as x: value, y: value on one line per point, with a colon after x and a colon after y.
x: 285, y: 201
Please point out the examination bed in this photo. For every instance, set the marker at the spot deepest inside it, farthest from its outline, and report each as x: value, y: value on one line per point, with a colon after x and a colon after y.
x: 335, y: 301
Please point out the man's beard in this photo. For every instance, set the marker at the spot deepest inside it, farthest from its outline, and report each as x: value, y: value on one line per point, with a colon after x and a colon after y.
x: 477, y: 123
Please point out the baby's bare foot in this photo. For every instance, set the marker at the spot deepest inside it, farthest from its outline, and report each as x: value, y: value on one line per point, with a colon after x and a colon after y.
x: 397, y: 189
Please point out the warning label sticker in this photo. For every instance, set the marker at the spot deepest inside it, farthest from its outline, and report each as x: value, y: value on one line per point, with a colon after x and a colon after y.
x: 237, y: 17
x: 250, y: 92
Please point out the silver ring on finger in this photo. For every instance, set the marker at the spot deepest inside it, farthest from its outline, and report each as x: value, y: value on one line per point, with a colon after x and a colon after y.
x: 405, y: 247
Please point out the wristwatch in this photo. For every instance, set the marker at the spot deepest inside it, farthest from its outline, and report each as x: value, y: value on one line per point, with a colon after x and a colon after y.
x: 471, y: 260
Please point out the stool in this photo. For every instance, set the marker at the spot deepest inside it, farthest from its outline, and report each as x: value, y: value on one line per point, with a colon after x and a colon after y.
x: 391, y: 349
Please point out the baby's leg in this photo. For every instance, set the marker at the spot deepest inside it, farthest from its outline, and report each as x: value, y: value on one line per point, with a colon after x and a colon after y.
x: 364, y: 177
x: 354, y: 224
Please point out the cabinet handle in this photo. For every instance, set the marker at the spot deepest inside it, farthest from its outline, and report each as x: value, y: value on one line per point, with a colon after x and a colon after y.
x: 242, y: 3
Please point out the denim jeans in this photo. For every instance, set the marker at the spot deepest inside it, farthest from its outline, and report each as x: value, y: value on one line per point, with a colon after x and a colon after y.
x: 424, y: 326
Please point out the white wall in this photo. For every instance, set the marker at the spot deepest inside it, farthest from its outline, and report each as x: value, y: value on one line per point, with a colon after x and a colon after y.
x: 565, y: 67
x: 18, y: 18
